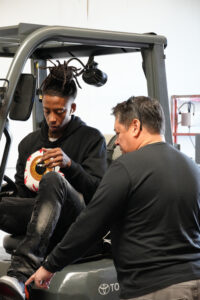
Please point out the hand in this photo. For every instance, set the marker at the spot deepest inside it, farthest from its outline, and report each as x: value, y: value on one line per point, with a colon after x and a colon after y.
x: 55, y: 157
x: 41, y: 277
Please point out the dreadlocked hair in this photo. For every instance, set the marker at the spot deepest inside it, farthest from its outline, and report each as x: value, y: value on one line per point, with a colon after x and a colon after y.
x: 62, y: 80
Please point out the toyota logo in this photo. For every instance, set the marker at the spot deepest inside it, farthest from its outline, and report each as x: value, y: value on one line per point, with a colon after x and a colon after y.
x: 104, y: 289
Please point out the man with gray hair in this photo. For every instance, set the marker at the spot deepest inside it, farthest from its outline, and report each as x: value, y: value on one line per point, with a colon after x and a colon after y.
x: 150, y: 201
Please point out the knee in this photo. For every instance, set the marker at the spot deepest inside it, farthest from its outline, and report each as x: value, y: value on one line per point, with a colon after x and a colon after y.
x: 51, y: 178
x: 52, y: 181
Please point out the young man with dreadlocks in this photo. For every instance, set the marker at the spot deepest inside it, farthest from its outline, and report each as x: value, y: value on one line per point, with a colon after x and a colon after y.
x: 44, y: 215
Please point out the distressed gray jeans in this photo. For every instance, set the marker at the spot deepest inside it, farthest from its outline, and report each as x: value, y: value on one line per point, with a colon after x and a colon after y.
x: 43, y: 221
x: 189, y: 290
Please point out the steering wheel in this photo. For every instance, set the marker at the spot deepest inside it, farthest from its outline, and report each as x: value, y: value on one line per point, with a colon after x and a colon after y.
x: 9, y: 188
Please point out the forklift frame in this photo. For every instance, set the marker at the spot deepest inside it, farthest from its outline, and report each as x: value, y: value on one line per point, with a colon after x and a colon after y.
x: 40, y: 43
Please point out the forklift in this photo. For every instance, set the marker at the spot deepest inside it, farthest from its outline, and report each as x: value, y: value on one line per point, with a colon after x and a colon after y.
x: 90, y: 278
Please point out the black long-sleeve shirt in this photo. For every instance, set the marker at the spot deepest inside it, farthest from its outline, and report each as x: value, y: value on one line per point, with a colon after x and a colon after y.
x: 83, y: 144
x: 150, y: 200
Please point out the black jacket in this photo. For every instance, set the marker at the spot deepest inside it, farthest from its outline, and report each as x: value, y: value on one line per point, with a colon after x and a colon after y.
x: 83, y: 144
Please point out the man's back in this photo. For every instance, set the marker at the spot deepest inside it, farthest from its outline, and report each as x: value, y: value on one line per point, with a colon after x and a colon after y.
x: 159, y: 228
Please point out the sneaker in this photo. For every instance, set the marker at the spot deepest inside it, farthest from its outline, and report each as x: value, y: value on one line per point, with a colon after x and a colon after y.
x: 11, y: 288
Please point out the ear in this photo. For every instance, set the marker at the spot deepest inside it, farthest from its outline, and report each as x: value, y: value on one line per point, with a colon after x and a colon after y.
x: 135, y: 127
x: 73, y: 108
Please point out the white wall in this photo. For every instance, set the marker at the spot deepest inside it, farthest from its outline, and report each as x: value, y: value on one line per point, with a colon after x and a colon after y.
x: 177, y: 20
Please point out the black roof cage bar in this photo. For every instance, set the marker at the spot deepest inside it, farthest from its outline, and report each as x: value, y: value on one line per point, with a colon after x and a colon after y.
x: 20, y: 32
x: 12, y: 36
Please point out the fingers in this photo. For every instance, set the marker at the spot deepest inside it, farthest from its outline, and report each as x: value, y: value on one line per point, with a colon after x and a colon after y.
x: 51, y: 153
x: 55, y: 157
x: 31, y: 279
x: 41, y: 278
x: 53, y: 162
x: 44, y: 284
x: 52, y: 157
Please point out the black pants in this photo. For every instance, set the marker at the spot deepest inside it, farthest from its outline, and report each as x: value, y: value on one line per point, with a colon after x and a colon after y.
x: 43, y: 220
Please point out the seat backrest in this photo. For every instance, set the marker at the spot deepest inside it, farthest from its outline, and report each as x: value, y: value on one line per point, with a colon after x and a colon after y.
x: 113, y: 151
